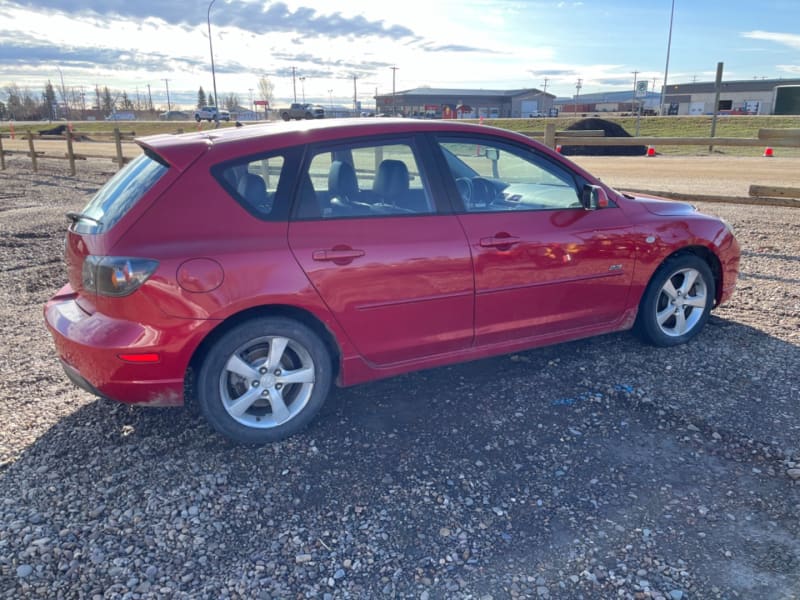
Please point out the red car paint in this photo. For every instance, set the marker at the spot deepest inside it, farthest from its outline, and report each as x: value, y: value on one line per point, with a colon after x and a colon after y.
x: 395, y: 294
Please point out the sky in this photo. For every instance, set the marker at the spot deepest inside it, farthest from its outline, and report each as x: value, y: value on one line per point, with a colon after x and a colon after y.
x: 129, y: 45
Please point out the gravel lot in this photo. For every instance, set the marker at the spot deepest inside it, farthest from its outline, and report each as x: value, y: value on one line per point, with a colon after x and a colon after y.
x: 595, y: 469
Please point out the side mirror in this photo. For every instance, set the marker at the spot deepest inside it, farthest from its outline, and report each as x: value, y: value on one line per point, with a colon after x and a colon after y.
x: 492, y: 154
x: 593, y: 197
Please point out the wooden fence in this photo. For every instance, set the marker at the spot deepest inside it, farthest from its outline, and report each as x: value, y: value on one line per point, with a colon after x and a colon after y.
x: 788, y: 138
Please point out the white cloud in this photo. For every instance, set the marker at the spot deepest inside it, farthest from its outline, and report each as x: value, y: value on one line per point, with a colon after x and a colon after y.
x: 787, y: 39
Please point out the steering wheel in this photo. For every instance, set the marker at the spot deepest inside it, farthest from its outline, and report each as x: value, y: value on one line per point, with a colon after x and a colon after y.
x: 464, y: 186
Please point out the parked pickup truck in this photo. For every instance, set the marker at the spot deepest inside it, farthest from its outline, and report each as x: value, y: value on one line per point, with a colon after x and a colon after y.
x: 302, y: 111
x: 209, y: 113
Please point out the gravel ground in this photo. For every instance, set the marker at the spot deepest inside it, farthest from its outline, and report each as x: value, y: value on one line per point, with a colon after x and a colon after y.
x: 595, y: 469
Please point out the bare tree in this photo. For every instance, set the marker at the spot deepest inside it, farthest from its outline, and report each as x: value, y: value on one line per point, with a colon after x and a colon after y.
x: 266, y: 90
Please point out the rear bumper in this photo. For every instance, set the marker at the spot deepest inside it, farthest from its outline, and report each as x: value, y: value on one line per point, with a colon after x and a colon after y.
x: 89, y: 348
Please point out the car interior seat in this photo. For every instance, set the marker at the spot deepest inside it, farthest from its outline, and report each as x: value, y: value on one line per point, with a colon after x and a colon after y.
x: 391, y: 181
x: 345, y: 196
x: 253, y: 189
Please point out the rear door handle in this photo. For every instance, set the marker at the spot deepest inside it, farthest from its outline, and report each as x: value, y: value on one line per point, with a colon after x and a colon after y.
x: 339, y: 256
x: 502, y: 242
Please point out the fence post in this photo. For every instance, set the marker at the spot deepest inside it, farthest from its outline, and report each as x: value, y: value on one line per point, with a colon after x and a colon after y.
x: 118, y: 142
x: 2, y: 155
x: 33, y: 152
x: 550, y: 135
x: 70, y: 153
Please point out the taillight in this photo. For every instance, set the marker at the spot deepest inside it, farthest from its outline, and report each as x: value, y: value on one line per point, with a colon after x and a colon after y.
x: 116, y: 275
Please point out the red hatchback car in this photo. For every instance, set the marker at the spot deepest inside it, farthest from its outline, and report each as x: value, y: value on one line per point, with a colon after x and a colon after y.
x: 255, y: 266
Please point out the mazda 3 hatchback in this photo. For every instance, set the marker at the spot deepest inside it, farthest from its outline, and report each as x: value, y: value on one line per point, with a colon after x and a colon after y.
x: 249, y: 269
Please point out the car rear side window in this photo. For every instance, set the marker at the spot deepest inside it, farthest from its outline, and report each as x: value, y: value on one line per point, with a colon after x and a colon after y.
x: 253, y: 183
x: 121, y: 193
x: 364, y: 180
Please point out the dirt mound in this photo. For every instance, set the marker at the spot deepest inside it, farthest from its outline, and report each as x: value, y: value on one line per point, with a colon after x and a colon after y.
x: 611, y: 130
x: 57, y: 130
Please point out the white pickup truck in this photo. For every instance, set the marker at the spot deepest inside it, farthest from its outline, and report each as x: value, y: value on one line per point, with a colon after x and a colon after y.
x: 209, y: 113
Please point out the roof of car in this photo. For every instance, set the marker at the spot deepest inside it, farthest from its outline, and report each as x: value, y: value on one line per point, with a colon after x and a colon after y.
x: 179, y: 149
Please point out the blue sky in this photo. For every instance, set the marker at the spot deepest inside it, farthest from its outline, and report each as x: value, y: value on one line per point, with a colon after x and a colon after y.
x: 490, y: 44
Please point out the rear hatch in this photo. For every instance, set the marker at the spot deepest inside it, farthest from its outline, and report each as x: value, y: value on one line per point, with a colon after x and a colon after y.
x: 116, y: 207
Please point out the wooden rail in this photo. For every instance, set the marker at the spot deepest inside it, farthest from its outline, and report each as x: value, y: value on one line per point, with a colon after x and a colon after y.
x: 772, y: 191
x: 785, y: 138
x: 789, y: 138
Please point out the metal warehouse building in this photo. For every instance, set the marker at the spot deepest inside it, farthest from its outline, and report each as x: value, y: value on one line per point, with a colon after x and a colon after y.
x: 465, y: 104
x: 749, y: 96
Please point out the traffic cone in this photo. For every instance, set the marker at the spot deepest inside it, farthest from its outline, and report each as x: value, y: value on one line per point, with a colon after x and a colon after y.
x: 768, y: 153
x: 651, y: 151
x: 558, y: 148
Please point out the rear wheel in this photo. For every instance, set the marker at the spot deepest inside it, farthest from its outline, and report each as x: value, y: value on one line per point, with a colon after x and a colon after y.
x: 285, y: 116
x: 264, y: 380
x: 677, y: 302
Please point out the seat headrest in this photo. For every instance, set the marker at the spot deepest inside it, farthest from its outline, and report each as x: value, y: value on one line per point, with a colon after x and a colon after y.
x: 342, y: 179
x: 391, y: 178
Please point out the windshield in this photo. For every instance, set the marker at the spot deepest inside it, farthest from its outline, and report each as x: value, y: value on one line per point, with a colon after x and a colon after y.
x: 119, y: 194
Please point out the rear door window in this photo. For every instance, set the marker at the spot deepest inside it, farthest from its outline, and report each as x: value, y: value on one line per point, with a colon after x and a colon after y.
x: 364, y: 179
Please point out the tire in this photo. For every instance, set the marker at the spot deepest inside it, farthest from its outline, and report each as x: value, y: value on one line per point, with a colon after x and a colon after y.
x: 677, y: 302
x: 251, y: 397
x: 197, y: 118
x: 285, y: 116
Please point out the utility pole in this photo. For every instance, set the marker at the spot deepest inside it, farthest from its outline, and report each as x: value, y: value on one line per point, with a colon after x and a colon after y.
x: 149, y: 98
x: 294, y: 85
x: 578, y: 87
x: 303, y: 87
x: 394, y: 97
x: 169, y: 106
x: 355, y: 95
x: 546, y: 81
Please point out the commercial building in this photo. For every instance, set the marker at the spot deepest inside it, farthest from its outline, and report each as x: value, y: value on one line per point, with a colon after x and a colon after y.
x: 610, y: 102
x: 465, y: 104
x: 748, y: 96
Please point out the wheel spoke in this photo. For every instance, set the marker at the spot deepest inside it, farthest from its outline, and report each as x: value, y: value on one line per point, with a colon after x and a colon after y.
x: 670, y: 290
x: 305, y: 375
x: 680, y: 323
x: 236, y: 365
x: 276, y: 349
x: 280, y: 411
x: 239, y: 406
x: 698, y: 301
x: 689, y: 277
x: 664, y: 315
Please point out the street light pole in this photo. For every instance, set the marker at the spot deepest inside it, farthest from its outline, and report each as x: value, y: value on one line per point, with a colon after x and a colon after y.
x: 302, y: 79
x: 666, y: 67
x: 394, y: 96
x: 211, y: 50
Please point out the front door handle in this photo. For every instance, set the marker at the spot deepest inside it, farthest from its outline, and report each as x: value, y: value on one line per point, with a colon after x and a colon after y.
x: 500, y: 241
x: 340, y: 256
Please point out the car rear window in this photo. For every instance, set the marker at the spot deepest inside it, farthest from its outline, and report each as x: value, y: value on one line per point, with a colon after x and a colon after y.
x: 121, y: 193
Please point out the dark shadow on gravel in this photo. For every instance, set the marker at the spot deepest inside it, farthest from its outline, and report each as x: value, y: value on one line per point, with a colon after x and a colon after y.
x: 579, y: 469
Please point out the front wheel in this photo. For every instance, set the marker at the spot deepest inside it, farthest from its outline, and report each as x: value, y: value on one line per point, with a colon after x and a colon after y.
x: 264, y: 380
x: 677, y: 302
x: 285, y: 116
